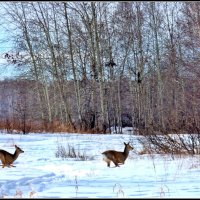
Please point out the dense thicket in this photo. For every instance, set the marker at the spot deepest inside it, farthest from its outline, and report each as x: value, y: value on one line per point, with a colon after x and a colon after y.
x: 93, y: 65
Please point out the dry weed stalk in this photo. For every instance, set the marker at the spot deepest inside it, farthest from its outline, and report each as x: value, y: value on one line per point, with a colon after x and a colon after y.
x: 18, y: 194
x: 76, y: 185
x: 119, y: 189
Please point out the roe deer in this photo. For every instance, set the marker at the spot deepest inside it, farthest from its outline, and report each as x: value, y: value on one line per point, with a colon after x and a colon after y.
x: 117, y: 157
x: 7, y: 158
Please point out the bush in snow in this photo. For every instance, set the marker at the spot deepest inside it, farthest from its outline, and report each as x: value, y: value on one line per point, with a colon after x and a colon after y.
x: 70, y: 152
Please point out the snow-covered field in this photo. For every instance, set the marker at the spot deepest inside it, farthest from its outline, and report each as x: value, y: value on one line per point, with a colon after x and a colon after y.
x: 40, y: 174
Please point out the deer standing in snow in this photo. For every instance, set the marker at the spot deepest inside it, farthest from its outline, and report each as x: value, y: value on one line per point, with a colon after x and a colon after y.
x: 7, y: 158
x: 117, y: 157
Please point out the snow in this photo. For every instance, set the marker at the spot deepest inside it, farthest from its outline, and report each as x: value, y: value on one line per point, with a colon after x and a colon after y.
x: 40, y: 174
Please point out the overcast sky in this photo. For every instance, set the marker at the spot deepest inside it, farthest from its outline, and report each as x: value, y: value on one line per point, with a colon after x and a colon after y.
x: 6, y: 71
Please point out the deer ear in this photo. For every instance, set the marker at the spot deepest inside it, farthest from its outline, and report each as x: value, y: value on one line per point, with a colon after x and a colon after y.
x: 125, y: 143
x: 15, y: 146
